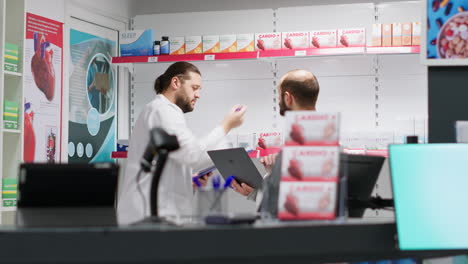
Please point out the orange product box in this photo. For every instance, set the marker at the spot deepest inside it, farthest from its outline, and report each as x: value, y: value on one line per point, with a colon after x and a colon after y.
x: 352, y: 37
x: 416, y: 36
x: 295, y: 40
x: 386, y: 35
x: 310, y: 163
x: 307, y: 200
x: 406, y: 33
x: 193, y: 45
x: 311, y: 128
x: 268, y: 41
x: 227, y: 43
x: 377, y: 35
x: 210, y: 44
x: 245, y: 42
x: 323, y: 38
x: 177, y: 45
x: 396, y: 34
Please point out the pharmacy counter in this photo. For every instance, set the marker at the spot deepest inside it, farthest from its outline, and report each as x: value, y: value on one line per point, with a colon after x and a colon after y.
x: 267, y: 242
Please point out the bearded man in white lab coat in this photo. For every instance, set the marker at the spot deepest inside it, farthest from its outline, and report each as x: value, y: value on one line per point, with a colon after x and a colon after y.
x: 177, y: 91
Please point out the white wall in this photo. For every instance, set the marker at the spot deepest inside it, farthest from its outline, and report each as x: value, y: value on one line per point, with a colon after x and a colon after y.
x: 143, y: 7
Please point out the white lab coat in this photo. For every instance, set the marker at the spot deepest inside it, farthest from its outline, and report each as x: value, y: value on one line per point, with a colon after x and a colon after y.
x: 175, y: 188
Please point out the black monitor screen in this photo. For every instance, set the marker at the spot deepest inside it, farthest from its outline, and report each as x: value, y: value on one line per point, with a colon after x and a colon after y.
x: 362, y: 172
x: 48, y: 185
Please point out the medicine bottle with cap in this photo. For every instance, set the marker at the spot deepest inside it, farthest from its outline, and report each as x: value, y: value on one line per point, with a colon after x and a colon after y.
x: 165, y: 45
x: 156, y: 47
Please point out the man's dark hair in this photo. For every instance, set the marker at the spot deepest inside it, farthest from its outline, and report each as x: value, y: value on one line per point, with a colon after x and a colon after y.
x: 304, y: 90
x: 179, y: 69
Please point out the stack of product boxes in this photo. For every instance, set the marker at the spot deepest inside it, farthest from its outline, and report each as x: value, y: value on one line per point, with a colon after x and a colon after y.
x: 396, y: 34
x: 140, y: 42
x: 310, y: 166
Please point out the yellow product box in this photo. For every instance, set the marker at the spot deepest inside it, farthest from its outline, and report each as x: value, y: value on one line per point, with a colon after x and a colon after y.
x: 376, y: 35
x: 396, y: 34
x: 193, y: 45
x: 268, y: 41
x: 406, y: 29
x: 245, y: 42
x: 323, y: 38
x: 227, y: 43
x: 416, y: 36
x: 386, y: 35
x: 211, y: 44
x: 295, y: 40
x: 177, y: 45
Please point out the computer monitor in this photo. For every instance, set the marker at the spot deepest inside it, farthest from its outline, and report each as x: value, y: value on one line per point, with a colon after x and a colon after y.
x: 430, y: 185
x: 362, y: 172
x: 63, y: 195
x: 69, y: 185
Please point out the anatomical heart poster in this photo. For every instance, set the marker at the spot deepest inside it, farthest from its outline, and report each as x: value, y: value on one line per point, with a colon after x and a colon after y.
x: 92, y: 100
x: 42, y: 98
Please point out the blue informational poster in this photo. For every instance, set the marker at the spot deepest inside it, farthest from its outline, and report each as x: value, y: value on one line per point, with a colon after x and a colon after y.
x: 92, y: 99
x: 447, y: 31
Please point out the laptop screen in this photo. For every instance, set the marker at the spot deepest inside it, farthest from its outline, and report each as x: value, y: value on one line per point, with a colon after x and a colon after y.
x: 430, y: 189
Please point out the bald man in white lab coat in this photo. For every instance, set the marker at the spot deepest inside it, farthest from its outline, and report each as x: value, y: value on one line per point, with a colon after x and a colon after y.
x: 177, y: 92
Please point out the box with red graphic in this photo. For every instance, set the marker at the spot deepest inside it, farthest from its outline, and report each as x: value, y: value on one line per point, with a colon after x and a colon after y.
x: 295, y: 40
x: 352, y: 37
x: 307, y: 200
x: 311, y: 128
x: 323, y: 38
x: 265, y: 140
x: 268, y: 41
x: 310, y: 163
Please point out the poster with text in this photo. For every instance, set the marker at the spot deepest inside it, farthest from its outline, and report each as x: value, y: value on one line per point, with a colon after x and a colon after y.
x: 447, y: 31
x: 42, y: 98
x: 92, y: 99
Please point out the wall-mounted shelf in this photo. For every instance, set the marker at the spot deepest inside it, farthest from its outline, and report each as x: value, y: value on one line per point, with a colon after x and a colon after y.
x: 12, y: 131
x: 393, y: 50
x: 268, y: 54
x: 13, y: 73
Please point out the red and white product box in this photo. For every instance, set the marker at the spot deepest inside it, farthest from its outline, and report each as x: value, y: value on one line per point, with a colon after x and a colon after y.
x: 310, y: 163
x: 352, y: 37
x: 307, y: 200
x: 311, y: 128
x: 295, y: 40
x: 268, y: 41
x: 323, y: 38
x: 265, y: 140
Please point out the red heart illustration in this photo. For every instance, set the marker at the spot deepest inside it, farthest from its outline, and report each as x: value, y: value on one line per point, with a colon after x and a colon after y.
x: 42, y: 68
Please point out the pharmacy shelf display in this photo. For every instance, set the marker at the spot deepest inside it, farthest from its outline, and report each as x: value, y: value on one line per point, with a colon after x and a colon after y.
x: 269, y: 54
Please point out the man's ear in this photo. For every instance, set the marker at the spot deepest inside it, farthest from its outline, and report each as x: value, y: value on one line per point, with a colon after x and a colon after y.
x: 175, y: 83
x: 288, y: 99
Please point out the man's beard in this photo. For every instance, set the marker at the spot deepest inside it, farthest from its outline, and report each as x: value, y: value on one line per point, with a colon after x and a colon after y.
x: 282, y: 107
x: 184, y: 102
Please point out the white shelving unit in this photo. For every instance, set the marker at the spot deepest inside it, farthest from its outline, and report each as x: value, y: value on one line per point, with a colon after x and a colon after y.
x: 381, y: 91
x: 12, y: 30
